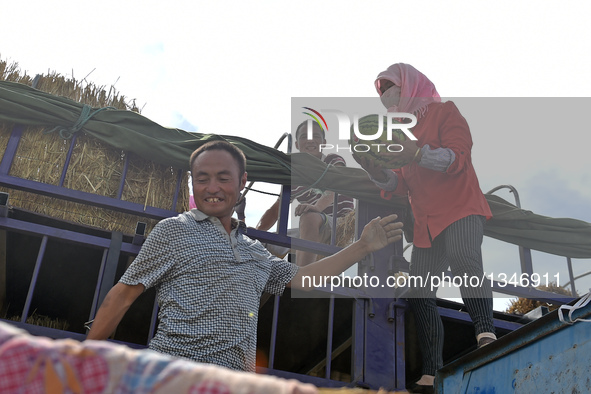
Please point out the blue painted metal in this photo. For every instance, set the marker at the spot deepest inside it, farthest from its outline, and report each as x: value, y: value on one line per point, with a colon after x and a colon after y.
x: 358, y: 339
x: 284, y: 211
x: 11, y: 147
x: 60, y: 334
x: 329, y: 336
x: 97, y: 289
x: 531, y: 292
x: 335, y: 206
x: 465, y: 317
x: 383, y: 354
x: 321, y: 382
x: 274, y: 331
x: 46, y: 331
x: 295, y: 243
x: 544, y: 356
x: 400, y: 341
x: 108, y: 275
x: 34, y: 278
x: 67, y: 235
x: 60, y: 192
x: 84, y: 197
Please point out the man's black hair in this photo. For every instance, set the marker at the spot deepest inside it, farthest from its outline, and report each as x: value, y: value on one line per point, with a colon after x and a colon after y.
x: 236, y: 153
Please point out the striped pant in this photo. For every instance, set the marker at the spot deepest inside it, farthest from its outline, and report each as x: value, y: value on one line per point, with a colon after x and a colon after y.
x: 457, y: 247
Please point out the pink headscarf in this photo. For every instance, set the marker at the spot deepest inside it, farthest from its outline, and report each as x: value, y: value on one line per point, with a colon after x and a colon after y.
x: 417, y: 91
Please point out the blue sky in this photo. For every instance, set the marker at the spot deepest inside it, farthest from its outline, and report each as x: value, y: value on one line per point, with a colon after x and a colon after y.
x: 227, y: 67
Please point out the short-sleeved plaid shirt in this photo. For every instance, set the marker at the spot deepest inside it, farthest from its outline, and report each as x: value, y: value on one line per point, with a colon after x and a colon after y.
x: 209, y: 285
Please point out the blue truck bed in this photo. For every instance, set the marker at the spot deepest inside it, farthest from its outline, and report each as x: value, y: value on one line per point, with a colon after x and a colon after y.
x: 544, y: 356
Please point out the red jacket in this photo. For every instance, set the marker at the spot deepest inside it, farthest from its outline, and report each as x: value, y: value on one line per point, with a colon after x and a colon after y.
x: 441, y: 198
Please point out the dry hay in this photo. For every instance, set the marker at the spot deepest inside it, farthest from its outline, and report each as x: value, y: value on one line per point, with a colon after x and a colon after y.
x: 11, y: 72
x: 95, y: 167
x: 345, y: 232
x: 524, y: 305
x: 40, y: 157
x: 5, y: 130
x: 81, y: 91
x: 43, y: 321
x: 151, y: 184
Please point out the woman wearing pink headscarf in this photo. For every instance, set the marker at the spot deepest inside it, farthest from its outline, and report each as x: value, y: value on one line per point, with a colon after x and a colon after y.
x: 447, y: 203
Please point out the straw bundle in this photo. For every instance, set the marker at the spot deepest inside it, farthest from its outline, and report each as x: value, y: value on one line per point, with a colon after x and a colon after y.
x: 58, y: 85
x: 11, y: 72
x: 345, y: 232
x: 523, y: 305
x: 5, y: 129
x: 43, y: 321
x: 95, y: 167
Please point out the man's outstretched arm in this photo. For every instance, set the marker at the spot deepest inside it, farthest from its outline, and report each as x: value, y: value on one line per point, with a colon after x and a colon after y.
x: 376, y: 234
x: 113, y: 308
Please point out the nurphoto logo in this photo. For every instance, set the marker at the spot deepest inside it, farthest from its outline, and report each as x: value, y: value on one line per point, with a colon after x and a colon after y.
x: 362, y: 142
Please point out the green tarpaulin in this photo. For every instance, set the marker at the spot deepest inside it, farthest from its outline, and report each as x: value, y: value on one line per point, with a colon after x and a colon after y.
x: 129, y: 131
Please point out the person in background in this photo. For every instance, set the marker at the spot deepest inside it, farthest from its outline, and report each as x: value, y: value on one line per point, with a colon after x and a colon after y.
x: 448, y: 205
x: 315, y: 207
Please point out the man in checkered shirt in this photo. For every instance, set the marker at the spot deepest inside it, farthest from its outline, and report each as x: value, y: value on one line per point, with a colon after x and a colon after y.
x: 209, y: 276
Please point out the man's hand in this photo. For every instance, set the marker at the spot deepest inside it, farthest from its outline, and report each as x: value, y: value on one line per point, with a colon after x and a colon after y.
x: 376, y: 234
x: 380, y: 232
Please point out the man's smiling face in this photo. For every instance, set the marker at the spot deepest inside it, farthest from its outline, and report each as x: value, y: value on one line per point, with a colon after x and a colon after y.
x: 216, y: 183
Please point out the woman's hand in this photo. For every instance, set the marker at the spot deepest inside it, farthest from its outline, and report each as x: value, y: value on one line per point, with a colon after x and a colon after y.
x: 410, y: 150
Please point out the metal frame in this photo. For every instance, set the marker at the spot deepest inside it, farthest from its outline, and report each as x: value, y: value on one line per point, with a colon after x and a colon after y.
x: 527, y: 266
x: 60, y: 192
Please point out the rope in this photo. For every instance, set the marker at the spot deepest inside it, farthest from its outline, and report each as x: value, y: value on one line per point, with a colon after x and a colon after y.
x: 315, y: 183
x: 85, y: 115
x: 579, y: 304
x: 262, y: 192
